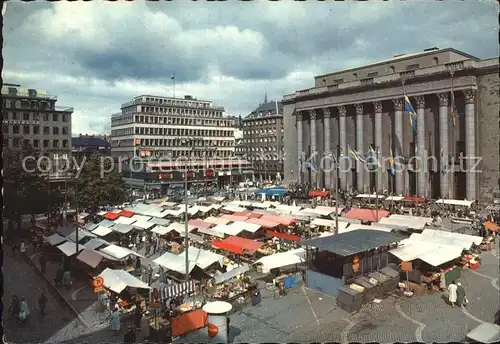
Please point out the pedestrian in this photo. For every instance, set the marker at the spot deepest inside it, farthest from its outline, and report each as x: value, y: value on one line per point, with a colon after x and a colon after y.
x: 34, y: 243
x: 66, y: 279
x: 42, y: 303
x: 461, y: 296
x: 149, y: 274
x: 138, y: 315
x: 59, y: 277
x: 43, y: 263
x: 24, y: 311
x: 14, y: 307
x: 452, y: 293
x: 129, y: 336
x: 154, y: 244
x: 115, y: 320
x: 22, y: 248
x: 138, y: 264
x: 14, y: 248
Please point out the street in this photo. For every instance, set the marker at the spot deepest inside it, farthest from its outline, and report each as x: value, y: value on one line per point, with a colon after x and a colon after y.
x: 59, y: 324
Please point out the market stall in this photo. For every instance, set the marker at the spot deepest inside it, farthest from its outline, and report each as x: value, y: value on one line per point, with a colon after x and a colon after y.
x: 366, y: 215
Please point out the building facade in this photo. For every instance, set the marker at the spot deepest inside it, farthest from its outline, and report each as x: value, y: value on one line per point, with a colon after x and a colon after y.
x: 363, y: 108
x: 263, y: 140
x: 86, y: 145
x: 31, y: 118
x: 172, y: 133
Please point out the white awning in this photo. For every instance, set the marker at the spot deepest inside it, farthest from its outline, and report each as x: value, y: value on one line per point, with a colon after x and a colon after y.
x: 450, y: 238
x: 173, y: 262
x: 323, y: 223
x: 159, y: 221
x: 202, y: 258
x: 102, y: 231
x: 193, y: 210
x: 106, y: 223
x: 210, y: 231
x: 282, y: 259
x: 370, y: 196
x: 55, y: 239
x: 245, y: 226
x: 90, y: 257
x: 457, y: 202
x: 125, y: 220
x: 179, y: 227
x: 69, y: 248
x: 82, y: 233
x: 233, y: 209
x: 231, y: 274
x: 394, y: 198
x: 216, y: 206
x: 142, y: 224
x: 354, y: 226
x: 217, y: 220
x: 140, y: 218
x: 161, y: 230
x: 204, y: 210
x: 288, y: 208
x: 122, y: 228
x: 118, y: 252
x: 429, y: 252
x: 118, y: 280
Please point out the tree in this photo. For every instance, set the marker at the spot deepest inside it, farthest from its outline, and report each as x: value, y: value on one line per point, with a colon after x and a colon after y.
x: 93, y: 190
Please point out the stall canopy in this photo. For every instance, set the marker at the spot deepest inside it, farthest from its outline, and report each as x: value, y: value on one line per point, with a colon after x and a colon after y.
x: 354, y: 242
x: 233, y: 209
x: 69, y: 248
x: 142, y: 224
x: 221, y: 245
x: 102, y: 231
x: 285, y: 236
x: 323, y: 223
x: 231, y: 274
x: 414, y: 199
x: 318, y: 193
x: 55, y: 239
x: 197, y: 223
x: 282, y: 259
x: 247, y: 245
x: 122, y: 228
x: 248, y: 214
x: 456, y: 202
x: 126, y: 213
x: 159, y: 221
x: 368, y: 196
x: 282, y: 220
x: 202, y: 258
x: 226, y: 229
x: 95, y: 243
x: 212, y: 232
x: 245, y: 226
x: 234, y: 217
x: 179, y: 227
x: 193, y: 210
x: 173, y: 262
x: 111, y: 216
x: 432, y: 253
x: 82, y: 233
x: 118, y: 252
x: 288, y: 208
x: 366, y: 214
x: 90, y: 226
x: 106, y: 223
x: 160, y: 230
x: 263, y: 223
x: 125, y: 220
x: 217, y: 220
x: 394, y: 199
x: 118, y: 280
x: 90, y: 257
x: 448, y: 238
x: 373, y: 227
x: 491, y: 226
x: 272, y: 192
x: 403, y: 223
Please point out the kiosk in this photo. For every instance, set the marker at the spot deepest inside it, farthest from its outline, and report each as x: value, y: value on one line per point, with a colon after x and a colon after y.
x: 217, y: 321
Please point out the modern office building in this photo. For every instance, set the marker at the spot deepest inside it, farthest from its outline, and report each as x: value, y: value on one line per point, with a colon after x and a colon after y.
x: 169, y: 134
x: 363, y: 108
x: 263, y: 140
x: 31, y: 118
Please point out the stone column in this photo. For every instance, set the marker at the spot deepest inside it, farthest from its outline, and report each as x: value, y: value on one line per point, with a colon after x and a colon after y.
x: 314, y: 175
x: 343, y: 147
x: 444, y: 144
x: 378, y: 145
x: 300, y: 147
x: 327, y: 115
x: 360, y: 168
x: 398, y: 144
x: 422, y: 166
x: 470, y: 144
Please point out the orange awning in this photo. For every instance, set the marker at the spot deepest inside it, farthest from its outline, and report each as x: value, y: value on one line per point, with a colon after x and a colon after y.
x: 491, y: 226
x: 366, y: 214
x: 318, y: 193
x: 285, y: 236
x: 126, y: 213
x: 221, y: 245
x: 247, y: 214
x: 246, y: 244
x: 111, y: 216
x: 263, y: 223
x: 283, y: 220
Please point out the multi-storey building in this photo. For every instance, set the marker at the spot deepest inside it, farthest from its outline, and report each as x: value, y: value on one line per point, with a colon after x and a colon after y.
x: 31, y: 118
x: 263, y: 140
x: 364, y: 108
x: 170, y: 132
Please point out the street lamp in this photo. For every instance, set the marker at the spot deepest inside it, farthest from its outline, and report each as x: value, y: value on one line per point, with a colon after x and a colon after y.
x: 339, y: 150
x: 186, y: 218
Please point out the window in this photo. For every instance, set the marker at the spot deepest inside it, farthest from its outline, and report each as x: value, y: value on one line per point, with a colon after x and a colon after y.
x: 36, y: 129
x: 55, y: 144
x: 65, y: 143
x: 355, y: 75
x: 45, y: 116
x: 15, y: 129
x: 26, y: 116
x: 26, y: 129
x: 338, y: 81
x: 26, y: 143
x: 46, y: 130
x: 45, y: 143
x: 36, y: 143
x: 65, y: 130
x: 55, y: 117
x: 5, y: 128
x: 436, y: 60
x: 413, y: 67
x: 14, y: 115
x: 324, y: 82
x: 55, y: 130
x: 392, y: 69
x: 65, y: 117
x: 372, y: 74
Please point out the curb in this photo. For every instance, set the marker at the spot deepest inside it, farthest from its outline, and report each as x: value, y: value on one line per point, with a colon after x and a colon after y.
x: 61, y: 296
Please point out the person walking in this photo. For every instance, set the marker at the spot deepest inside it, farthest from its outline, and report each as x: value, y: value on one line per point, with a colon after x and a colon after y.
x: 138, y: 315
x: 59, y: 277
x: 13, y: 245
x: 452, y: 293
x: 42, y: 303
x: 22, y: 248
x: 43, y: 263
x: 461, y: 296
x: 14, y: 307
x: 129, y: 336
x: 66, y: 279
x: 115, y: 321
x: 138, y: 264
x: 24, y: 311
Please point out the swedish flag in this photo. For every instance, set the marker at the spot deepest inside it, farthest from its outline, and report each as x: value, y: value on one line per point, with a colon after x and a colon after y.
x: 355, y: 155
x: 412, y: 115
x: 314, y: 168
x: 391, y: 161
x: 453, y: 110
x: 374, y: 155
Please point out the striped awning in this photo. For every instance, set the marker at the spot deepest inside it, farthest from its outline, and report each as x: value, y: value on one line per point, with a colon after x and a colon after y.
x: 171, y: 291
x: 494, y: 207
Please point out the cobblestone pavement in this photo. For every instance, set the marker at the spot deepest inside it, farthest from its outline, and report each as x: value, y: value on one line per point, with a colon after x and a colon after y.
x: 59, y: 324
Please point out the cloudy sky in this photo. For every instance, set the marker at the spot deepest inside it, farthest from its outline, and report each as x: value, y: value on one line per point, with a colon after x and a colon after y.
x: 96, y: 55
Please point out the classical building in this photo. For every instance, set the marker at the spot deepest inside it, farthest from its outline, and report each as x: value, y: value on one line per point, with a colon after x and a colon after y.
x: 263, y: 140
x: 170, y: 132
x: 363, y: 108
x: 86, y: 145
x: 31, y: 118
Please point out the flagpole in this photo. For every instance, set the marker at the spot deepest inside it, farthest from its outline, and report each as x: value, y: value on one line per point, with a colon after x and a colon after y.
x: 453, y: 119
x: 173, y: 84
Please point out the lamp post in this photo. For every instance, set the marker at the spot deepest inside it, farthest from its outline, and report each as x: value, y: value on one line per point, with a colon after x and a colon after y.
x: 339, y: 150
x: 186, y: 218
x: 376, y: 188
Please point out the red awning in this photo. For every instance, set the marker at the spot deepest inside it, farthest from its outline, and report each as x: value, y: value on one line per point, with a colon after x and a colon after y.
x: 282, y: 220
x: 285, y: 236
x: 366, y: 214
x: 318, y: 193
x: 200, y: 224
x: 126, y: 213
x: 227, y: 247
x: 247, y: 214
x: 234, y: 217
x: 246, y: 244
x: 111, y: 216
x: 414, y: 199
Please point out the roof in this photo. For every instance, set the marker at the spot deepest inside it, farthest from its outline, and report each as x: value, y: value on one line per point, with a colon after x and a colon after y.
x: 234, y: 217
x: 266, y: 109
x: 202, y: 258
x: 90, y: 257
x: 69, y: 248
x: 89, y: 141
x: 263, y: 223
x: 197, y: 223
x: 366, y: 214
x: 246, y: 244
x: 349, y: 243
x: 281, y: 259
x: 118, y: 280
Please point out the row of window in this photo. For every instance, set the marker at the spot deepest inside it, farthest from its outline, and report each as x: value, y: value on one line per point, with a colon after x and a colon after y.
x: 28, y: 104
x: 18, y: 142
x: 269, y: 131
x: 173, y: 102
x: 174, y: 154
x: 27, y: 116
x: 263, y: 149
x: 144, y: 119
x: 261, y: 122
x: 177, y: 142
x: 28, y: 129
x: 172, y: 132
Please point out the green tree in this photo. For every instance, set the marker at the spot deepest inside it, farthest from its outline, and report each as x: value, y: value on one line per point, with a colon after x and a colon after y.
x: 96, y: 190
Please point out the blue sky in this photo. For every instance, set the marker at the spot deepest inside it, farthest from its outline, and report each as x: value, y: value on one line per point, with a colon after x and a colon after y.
x: 97, y: 55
